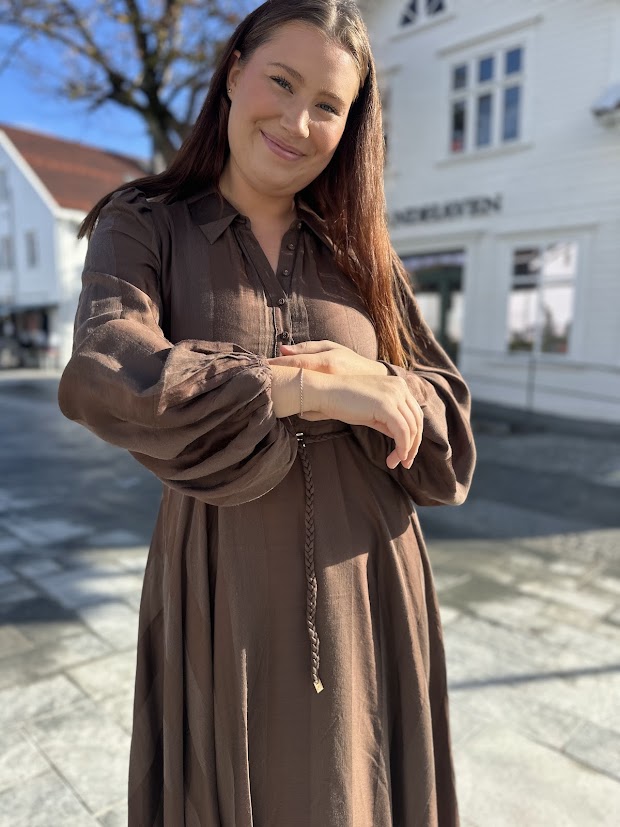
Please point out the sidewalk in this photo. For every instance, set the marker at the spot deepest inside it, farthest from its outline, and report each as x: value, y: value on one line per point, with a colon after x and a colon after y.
x: 528, y: 573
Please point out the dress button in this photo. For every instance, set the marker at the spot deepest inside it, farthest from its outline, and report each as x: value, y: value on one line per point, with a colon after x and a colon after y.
x: 291, y: 246
x: 281, y: 301
x: 299, y: 226
x: 285, y: 272
x: 286, y: 336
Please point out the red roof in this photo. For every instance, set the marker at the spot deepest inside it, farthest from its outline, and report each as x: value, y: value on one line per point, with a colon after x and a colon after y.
x: 76, y: 175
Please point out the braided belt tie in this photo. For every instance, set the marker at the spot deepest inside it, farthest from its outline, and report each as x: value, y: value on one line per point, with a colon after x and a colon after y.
x: 311, y: 585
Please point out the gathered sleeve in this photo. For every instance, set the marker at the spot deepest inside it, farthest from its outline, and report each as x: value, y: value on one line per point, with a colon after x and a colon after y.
x: 197, y: 414
x: 443, y: 468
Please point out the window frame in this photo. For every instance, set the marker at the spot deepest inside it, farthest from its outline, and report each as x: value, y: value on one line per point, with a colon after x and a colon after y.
x: 508, y: 244
x: 475, y: 90
x: 7, y: 248
x: 424, y: 18
x: 32, y: 246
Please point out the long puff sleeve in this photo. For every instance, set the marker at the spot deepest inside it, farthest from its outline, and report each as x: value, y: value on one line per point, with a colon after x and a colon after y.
x: 442, y: 471
x: 198, y: 414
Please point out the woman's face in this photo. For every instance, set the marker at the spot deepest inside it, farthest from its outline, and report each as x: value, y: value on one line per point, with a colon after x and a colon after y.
x: 289, y: 107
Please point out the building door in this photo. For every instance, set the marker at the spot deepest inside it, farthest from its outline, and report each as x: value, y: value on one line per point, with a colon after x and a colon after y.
x: 437, y: 280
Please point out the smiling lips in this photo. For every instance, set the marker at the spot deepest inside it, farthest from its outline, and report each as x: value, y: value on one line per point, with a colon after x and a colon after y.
x: 280, y: 149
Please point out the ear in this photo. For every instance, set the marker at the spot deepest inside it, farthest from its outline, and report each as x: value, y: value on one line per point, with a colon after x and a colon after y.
x: 234, y: 71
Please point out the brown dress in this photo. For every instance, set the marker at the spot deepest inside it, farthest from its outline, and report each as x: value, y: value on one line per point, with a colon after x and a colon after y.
x: 276, y: 560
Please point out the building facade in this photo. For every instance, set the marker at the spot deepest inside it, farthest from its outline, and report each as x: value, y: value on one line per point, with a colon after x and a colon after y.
x: 503, y: 186
x: 47, y: 186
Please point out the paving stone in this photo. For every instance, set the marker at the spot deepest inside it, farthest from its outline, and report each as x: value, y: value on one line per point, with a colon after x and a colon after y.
x: 569, y: 567
x: 586, y: 546
x: 99, y: 776
x: 44, y: 801
x: 597, y: 646
x: 43, y: 697
x: 40, y: 619
x: 44, y: 660
x: 9, y: 545
x: 117, y: 817
x: 521, y: 612
x: 15, y: 592
x: 46, y: 532
x: 583, y: 600
x: 38, y: 568
x: 607, y: 584
x: 12, y: 641
x: 590, y: 696
x: 596, y: 746
x: 505, y: 779
x: 467, y: 717
x: 512, y: 706
x: 113, y: 621
x: 557, y: 613
x: 82, y: 586
x: 106, y: 676
x: 500, y: 520
x: 6, y: 576
x: 19, y: 759
x: 117, y: 537
x: 448, y: 614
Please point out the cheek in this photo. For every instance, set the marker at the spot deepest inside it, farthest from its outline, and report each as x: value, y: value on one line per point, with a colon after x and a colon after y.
x: 327, y: 137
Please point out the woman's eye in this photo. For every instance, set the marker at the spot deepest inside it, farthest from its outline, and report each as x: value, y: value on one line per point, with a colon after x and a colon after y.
x: 283, y: 82
x: 327, y: 108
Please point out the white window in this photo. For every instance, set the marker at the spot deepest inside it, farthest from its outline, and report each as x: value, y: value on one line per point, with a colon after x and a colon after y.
x: 6, y: 253
x: 542, y: 297
x: 4, y: 185
x: 32, y: 249
x: 418, y: 11
x: 486, y: 100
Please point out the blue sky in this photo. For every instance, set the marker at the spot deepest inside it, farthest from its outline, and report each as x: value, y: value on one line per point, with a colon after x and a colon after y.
x: 25, y: 102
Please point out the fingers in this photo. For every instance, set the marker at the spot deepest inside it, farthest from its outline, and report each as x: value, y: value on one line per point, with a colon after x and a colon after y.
x: 407, y: 432
x: 403, y: 431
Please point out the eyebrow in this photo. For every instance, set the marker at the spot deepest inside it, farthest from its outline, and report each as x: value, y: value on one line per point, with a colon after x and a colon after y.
x: 300, y: 79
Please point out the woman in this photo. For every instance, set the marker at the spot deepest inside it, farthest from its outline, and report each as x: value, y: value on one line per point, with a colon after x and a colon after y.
x: 246, y: 331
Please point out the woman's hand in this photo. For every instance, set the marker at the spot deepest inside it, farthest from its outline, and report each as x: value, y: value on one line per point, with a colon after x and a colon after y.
x: 359, y: 391
x: 327, y: 357
x: 384, y: 403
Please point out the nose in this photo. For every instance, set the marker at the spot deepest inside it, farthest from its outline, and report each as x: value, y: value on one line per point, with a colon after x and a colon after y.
x: 296, y: 120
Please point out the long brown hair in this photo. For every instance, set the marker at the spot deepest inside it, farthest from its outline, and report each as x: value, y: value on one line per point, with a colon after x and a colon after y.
x: 348, y: 194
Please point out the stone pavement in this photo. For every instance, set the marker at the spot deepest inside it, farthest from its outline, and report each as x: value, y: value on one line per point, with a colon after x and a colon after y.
x: 528, y: 573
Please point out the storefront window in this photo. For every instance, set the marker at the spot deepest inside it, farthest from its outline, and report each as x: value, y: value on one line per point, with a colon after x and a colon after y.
x: 540, y: 306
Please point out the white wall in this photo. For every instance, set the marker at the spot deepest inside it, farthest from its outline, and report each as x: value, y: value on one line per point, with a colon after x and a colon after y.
x: 560, y: 181
x: 71, y: 254
x: 28, y: 208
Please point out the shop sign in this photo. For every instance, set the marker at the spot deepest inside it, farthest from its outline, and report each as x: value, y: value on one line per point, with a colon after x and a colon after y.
x: 463, y: 208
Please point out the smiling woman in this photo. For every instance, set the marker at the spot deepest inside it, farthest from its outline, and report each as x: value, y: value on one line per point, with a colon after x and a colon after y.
x: 247, y: 332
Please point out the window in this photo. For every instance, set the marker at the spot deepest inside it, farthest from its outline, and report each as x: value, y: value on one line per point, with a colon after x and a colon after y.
x: 6, y: 253
x: 486, y: 100
x: 540, y: 306
x: 4, y: 185
x: 32, y: 249
x: 418, y: 11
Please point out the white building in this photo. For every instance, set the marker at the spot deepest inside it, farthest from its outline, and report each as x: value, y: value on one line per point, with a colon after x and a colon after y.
x: 503, y: 187
x: 47, y: 186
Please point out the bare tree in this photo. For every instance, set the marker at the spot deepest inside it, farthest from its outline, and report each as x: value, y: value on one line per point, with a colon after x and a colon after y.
x: 154, y: 57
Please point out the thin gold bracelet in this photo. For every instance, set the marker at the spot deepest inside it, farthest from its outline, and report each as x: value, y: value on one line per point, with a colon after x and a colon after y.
x: 301, y: 392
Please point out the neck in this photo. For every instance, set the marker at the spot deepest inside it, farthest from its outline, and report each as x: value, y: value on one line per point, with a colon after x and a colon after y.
x: 255, y: 205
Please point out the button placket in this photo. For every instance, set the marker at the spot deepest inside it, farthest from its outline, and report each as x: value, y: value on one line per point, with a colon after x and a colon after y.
x: 286, y: 268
